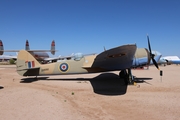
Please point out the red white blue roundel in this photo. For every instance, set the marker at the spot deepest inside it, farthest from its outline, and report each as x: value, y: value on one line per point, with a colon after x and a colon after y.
x: 64, y: 67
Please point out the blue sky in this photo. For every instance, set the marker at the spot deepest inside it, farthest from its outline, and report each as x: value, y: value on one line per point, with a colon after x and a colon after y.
x: 88, y: 25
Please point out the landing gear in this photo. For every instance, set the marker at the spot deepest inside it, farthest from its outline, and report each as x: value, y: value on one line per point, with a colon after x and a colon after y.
x: 128, y: 77
x: 123, y: 74
x: 36, y: 78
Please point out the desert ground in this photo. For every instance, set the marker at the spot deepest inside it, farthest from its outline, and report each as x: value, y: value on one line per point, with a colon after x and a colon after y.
x: 101, y: 96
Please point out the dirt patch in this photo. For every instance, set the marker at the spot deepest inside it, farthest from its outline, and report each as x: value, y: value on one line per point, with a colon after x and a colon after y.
x: 91, y: 96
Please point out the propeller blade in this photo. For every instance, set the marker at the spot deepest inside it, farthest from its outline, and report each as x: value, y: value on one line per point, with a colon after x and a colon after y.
x: 152, y: 55
x: 149, y: 46
x: 155, y: 63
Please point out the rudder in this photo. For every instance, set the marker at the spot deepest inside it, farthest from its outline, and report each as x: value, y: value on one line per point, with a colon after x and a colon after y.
x: 26, y: 64
x: 27, y: 45
x: 53, y: 47
x: 1, y: 47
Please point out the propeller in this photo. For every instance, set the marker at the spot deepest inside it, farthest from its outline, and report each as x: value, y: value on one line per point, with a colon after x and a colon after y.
x: 152, y: 55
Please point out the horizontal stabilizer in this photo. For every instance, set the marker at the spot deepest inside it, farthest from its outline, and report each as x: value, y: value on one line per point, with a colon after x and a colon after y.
x: 29, y: 68
x: 30, y: 72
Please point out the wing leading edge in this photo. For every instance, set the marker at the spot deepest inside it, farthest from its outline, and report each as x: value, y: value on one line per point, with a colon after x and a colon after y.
x: 113, y: 59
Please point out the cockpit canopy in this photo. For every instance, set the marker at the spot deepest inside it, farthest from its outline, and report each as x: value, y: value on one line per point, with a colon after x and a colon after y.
x: 78, y: 56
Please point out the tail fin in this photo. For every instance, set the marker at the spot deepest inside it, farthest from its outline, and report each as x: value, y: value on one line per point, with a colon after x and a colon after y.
x: 26, y: 64
x: 1, y: 47
x: 53, y: 47
x: 27, y: 45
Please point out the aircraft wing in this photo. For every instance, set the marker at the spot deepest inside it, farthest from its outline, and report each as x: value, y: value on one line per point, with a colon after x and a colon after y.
x: 74, y: 56
x: 28, y: 50
x: 58, y: 58
x: 9, y: 50
x: 113, y: 59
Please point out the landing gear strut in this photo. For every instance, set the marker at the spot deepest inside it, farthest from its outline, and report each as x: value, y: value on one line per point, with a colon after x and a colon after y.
x: 128, y: 77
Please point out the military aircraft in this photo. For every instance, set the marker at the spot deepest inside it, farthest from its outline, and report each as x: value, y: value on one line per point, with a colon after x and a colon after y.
x: 40, y: 55
x: 118, y: 58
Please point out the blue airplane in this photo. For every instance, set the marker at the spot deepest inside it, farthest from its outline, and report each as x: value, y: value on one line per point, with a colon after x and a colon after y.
x: 169, y: 60
x: 143, y: 61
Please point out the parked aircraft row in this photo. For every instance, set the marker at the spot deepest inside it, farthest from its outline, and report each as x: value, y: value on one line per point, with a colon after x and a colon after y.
x: 38, y: 54
x: 121, y: 58
x: 41, y: 55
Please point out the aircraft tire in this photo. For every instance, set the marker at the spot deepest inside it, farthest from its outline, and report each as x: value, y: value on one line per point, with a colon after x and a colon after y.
x: 123, y: 74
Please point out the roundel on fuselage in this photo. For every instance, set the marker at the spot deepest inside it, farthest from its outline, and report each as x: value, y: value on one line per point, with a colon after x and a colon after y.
x: 63, y: 67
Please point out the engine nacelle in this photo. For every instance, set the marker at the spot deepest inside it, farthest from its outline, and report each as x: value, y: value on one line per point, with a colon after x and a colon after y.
x: 142, y: 57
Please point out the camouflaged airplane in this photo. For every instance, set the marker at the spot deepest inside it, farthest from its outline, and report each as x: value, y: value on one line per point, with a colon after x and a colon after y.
x: 118, y: 58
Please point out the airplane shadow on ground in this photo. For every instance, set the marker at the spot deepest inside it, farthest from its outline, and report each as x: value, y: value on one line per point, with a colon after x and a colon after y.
x: 1, y: 87
x: 30, y: 80
x: 108, y: 84
x: 142, y: 80
x: 104, y: 84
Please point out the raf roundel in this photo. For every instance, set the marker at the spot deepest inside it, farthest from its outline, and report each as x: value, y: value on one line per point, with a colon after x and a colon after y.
x: 64, y: 67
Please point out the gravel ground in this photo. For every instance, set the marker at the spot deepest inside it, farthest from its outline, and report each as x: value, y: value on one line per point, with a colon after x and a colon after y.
x: 101, y: 96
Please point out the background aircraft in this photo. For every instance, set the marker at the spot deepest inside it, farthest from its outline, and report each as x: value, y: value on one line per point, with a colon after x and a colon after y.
x: 38, y: 54
x: 7, y: 57
x: 141, y: 59
x: 169, y: 60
